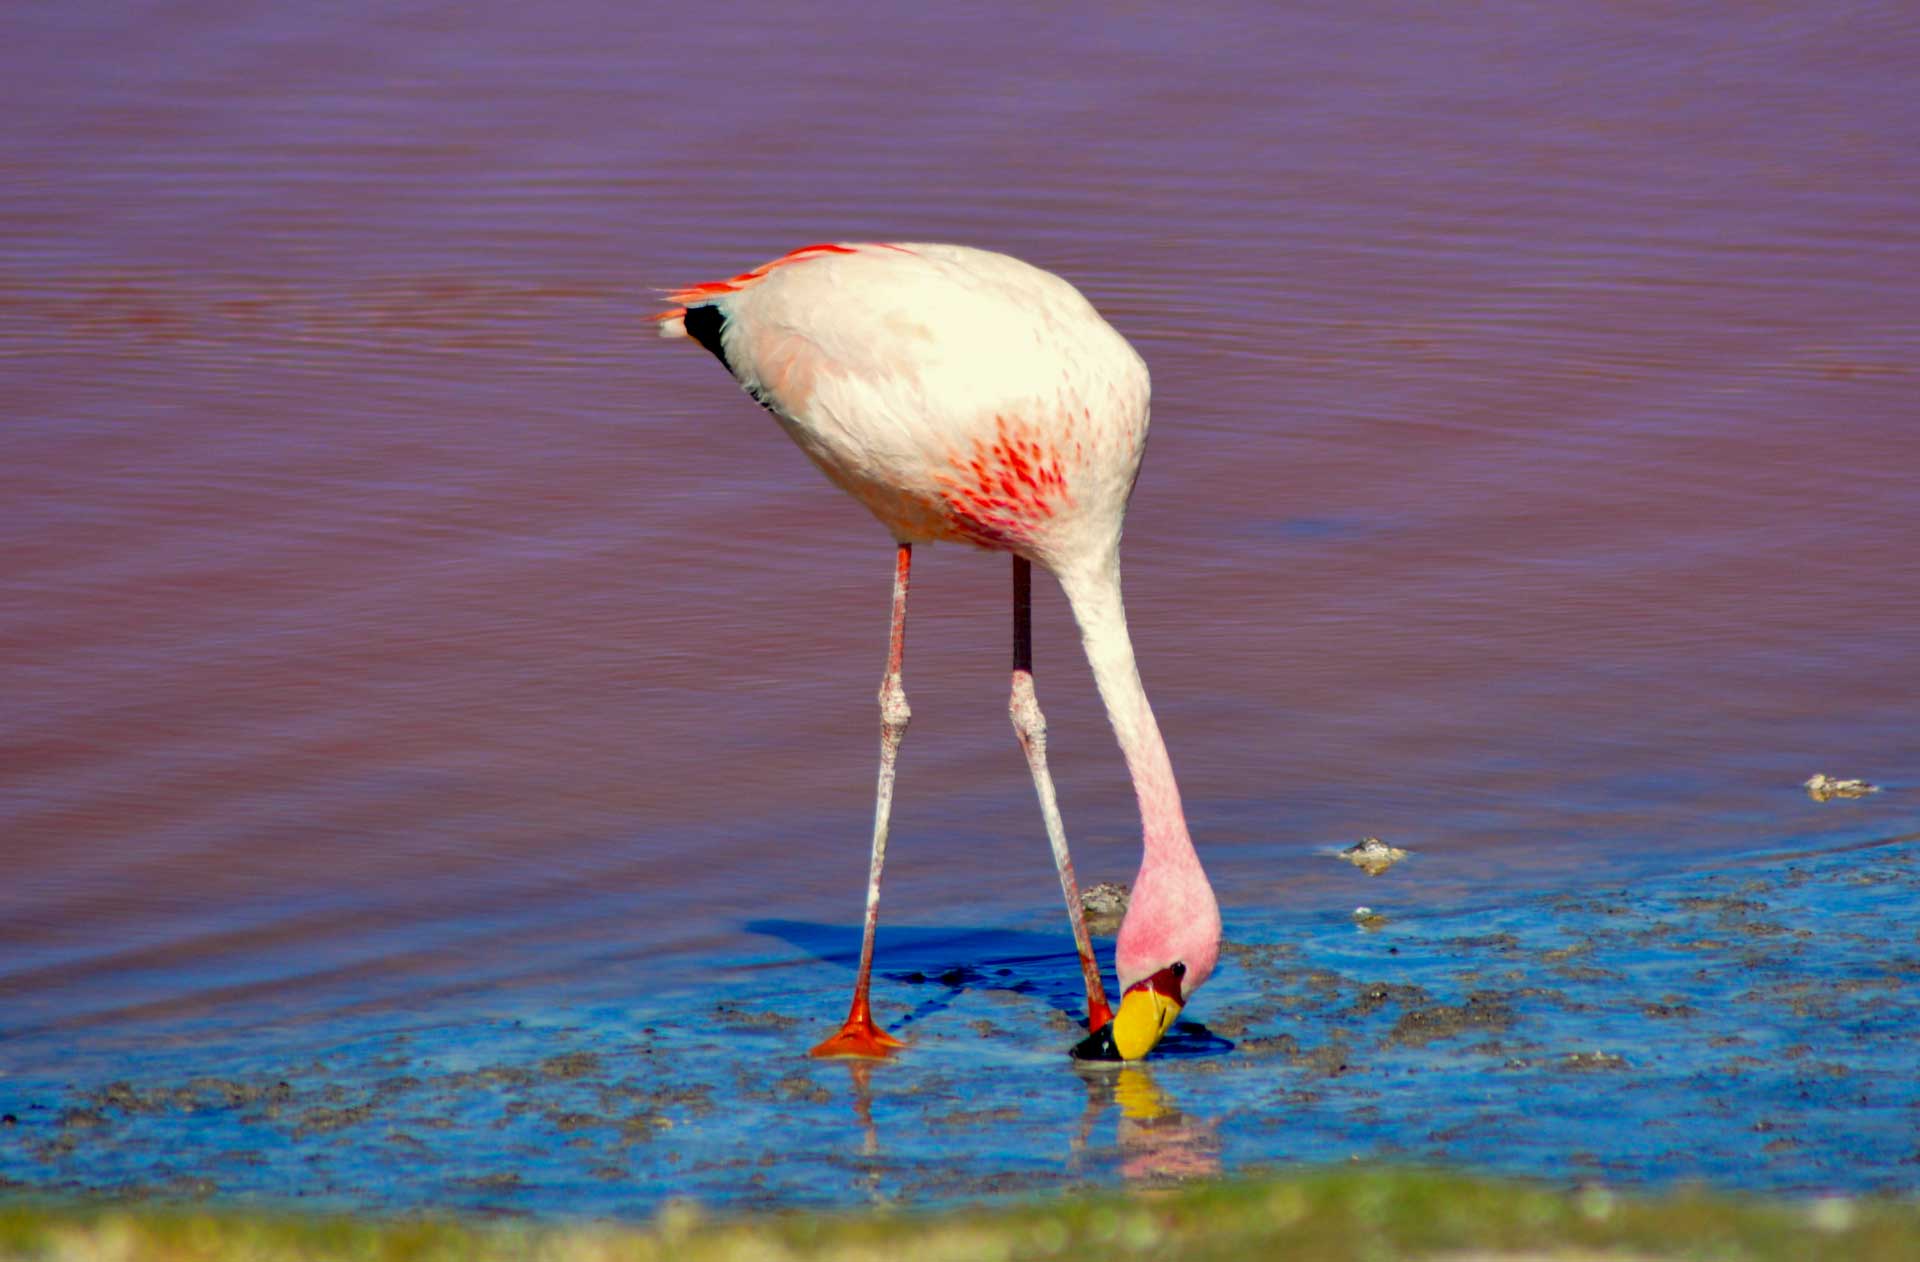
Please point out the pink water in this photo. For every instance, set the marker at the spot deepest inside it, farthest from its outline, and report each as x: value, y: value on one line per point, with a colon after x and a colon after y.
x: 383, y: 612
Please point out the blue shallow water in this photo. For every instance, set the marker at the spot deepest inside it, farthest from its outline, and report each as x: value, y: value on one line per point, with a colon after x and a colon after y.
x: 1746, y: 1024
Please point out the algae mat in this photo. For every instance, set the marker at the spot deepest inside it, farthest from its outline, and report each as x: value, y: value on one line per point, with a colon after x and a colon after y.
x: 1749, y: 1025
x: 1363, y: 1217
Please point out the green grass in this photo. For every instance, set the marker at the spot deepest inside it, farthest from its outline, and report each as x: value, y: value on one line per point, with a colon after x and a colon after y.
x: 1367, y: 1216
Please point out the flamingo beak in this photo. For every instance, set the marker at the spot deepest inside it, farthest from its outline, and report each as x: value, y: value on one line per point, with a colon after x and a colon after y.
x: 1147, y: 1011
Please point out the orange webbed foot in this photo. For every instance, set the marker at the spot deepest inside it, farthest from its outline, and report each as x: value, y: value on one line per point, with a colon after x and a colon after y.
x: 859, y: 1037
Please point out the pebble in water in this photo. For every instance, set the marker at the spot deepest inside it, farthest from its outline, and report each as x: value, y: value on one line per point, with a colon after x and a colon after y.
x: 1105, y: 905
x: 1824, y: 788
x: 1372, y: 855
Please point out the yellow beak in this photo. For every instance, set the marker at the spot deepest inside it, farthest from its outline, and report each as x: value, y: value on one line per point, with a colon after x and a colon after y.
x: 1145, y: 1014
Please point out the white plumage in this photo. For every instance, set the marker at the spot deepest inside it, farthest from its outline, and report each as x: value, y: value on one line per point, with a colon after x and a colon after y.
x: 941, y: 386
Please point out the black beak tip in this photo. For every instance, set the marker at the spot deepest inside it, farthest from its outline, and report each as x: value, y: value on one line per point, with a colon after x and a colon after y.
x: 1097, y: 1046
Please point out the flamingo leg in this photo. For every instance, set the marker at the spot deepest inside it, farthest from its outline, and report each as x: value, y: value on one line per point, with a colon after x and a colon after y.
x: 1031, y: 726
x: 858, y: 1035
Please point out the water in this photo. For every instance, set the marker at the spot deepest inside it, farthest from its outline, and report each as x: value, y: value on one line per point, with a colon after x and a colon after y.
x: 1746, y: 1025
x: 395, y: 636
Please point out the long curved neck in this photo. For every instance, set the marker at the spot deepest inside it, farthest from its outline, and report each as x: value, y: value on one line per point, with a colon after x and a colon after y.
x: 1094, y: 592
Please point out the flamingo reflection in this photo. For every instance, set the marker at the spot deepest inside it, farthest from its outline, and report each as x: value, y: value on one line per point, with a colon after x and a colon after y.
x: 1157, y: 1142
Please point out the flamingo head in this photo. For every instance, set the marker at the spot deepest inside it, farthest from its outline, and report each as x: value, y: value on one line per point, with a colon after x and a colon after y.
x: 1167, y: 948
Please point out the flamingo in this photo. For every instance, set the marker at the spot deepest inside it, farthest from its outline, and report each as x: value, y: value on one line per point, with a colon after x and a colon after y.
x: 965, y: 395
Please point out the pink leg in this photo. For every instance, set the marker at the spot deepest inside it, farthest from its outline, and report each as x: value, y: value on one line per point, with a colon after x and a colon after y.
x: 1031, y: 726
x: 858, y: 1035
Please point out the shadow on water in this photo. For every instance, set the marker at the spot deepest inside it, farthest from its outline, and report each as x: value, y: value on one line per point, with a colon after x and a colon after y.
x: 951, y: 962
x: 954, y: 962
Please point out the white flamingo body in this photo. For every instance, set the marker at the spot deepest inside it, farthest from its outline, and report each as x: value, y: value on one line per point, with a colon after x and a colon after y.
x: 957, y: 393
x: 965, y: 395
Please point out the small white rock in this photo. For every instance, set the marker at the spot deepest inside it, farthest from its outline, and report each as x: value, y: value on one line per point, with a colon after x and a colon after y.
x: 1372, y: 855
x: 1105, y: 901
x: 1824, y: 788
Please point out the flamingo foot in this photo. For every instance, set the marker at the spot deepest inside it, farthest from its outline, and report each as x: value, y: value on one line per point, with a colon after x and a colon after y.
x: 859, y: 1036
x: 1099, y: 1015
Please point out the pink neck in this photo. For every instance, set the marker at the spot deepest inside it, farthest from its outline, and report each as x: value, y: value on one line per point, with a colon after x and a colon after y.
x: 1173, y: 911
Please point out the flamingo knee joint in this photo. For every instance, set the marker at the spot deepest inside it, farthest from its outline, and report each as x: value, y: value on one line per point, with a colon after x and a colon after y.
x: 1024, y: 707
x: 895, y: 713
